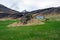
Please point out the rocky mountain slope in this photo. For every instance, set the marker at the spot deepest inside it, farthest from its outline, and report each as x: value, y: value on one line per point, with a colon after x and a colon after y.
x: 7, y: 12
x: 48, y: 10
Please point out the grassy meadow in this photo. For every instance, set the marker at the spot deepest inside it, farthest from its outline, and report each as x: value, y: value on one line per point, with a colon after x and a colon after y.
x: 48, y: 31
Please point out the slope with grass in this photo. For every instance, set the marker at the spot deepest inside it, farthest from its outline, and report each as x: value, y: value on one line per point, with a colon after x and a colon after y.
x: 48, y: 31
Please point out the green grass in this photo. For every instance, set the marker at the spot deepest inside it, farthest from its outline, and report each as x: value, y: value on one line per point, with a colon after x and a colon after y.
x: 49, y: 31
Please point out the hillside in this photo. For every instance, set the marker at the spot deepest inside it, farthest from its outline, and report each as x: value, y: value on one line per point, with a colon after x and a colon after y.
x: 47, y: 10
x: 5, y: 9
x: 7, y: 12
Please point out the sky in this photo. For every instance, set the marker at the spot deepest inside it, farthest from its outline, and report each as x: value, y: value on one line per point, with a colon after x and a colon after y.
x: 30, y: 5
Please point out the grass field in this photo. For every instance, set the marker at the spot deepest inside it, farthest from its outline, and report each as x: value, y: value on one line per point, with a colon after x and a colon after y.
x: 48, y: 31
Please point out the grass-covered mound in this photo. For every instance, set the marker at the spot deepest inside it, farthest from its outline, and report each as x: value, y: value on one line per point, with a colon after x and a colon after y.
x: 29, y: 23
x: 48, y: 31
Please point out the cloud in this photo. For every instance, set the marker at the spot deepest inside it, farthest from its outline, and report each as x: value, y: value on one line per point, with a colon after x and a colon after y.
x: 29, y: 5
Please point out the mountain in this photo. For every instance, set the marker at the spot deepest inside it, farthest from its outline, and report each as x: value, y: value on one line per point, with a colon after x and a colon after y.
x: 47, y: 11
x: 7, y: 12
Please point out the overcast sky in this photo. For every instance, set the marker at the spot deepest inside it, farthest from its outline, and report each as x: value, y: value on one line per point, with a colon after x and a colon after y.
x: 30, y: 5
